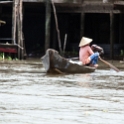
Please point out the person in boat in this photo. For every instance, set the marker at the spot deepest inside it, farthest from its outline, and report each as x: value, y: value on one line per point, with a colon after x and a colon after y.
x: 89, y: 55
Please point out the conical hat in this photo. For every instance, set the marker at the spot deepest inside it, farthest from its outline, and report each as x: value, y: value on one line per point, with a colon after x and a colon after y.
x: 84, y: 41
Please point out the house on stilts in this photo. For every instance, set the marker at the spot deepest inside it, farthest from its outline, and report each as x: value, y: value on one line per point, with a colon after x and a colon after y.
x: 27, y: 27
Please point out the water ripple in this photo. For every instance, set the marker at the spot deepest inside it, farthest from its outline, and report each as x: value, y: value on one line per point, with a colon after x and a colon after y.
x: 30, y: 97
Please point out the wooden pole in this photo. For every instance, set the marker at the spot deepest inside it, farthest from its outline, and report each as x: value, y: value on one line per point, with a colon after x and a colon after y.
x: 120, y: 27
x: 82, y: 24
x: 21, y: 32
x: 14, y: 21
x: 65, y: 42
x: 54, y: 44
x: 111, y: 34
x: 57, y: 27
x: 47, y: 24
x: 18, y: 28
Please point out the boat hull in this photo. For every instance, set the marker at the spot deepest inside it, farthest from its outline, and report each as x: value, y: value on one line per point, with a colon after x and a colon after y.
x: 53, y: 62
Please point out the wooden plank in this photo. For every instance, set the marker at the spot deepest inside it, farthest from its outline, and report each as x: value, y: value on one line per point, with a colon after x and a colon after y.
x: 87, y: 8
x: 34, y: 1
x: 67, y: 1
x: 102, y: 11
x: 119, y: 3
x: 6, y: 39
x: 5, y: 2
x: 56, y: 1
x: 102, y: 7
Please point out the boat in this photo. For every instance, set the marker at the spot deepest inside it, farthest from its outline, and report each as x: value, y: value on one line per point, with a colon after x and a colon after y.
x: 53, y: 62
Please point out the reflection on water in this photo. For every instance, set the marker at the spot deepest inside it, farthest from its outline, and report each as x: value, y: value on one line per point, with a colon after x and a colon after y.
x: 29, y: 96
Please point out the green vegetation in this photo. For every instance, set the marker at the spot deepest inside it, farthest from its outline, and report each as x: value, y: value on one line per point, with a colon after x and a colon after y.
x: 3, y: 56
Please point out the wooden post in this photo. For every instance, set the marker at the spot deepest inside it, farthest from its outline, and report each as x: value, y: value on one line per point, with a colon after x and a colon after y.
x: 54, y: 44
x: 47, y: 24
x: 14, y: 21
x: 65, y: 42
x: 21, y: 32
x: 111, y: 34
x: 82, y: 24
x: 19, y: 29
x: 120, y: 27
x: 57, y: 27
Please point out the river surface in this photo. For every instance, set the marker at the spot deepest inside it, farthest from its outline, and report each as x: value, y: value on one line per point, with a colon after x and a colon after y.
x: 30, y: 96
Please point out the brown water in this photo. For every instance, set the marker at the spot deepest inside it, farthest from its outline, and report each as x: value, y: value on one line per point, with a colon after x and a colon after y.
x: 30, y: 96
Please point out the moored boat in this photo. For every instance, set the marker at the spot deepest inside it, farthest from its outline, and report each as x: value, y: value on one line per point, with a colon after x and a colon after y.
x: 54, y: 62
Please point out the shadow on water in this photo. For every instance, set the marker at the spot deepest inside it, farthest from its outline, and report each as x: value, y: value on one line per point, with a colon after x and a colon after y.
x: 30, y: 96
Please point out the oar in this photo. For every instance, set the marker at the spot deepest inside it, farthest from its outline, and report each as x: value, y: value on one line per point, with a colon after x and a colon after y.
x: 110, y: 65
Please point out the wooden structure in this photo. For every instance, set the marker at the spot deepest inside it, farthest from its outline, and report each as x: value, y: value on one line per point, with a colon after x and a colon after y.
x: 86, y: 11
x: 16, y: 45
x: 8, y: 48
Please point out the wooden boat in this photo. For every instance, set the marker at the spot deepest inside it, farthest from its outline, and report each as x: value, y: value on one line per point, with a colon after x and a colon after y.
x: 53, y: 62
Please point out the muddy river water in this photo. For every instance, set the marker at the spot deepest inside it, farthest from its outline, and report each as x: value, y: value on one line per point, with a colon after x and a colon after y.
x: 30, y: 96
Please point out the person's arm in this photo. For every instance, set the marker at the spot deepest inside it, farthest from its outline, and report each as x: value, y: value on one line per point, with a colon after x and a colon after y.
x: 97, y: 48
x: 90, y: 51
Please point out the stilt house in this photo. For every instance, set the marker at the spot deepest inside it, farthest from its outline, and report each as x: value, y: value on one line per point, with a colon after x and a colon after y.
x: 30, y: 25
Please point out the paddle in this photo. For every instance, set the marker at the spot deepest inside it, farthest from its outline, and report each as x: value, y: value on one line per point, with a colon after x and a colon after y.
x: 110, y: 65
x: 105, y: 62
